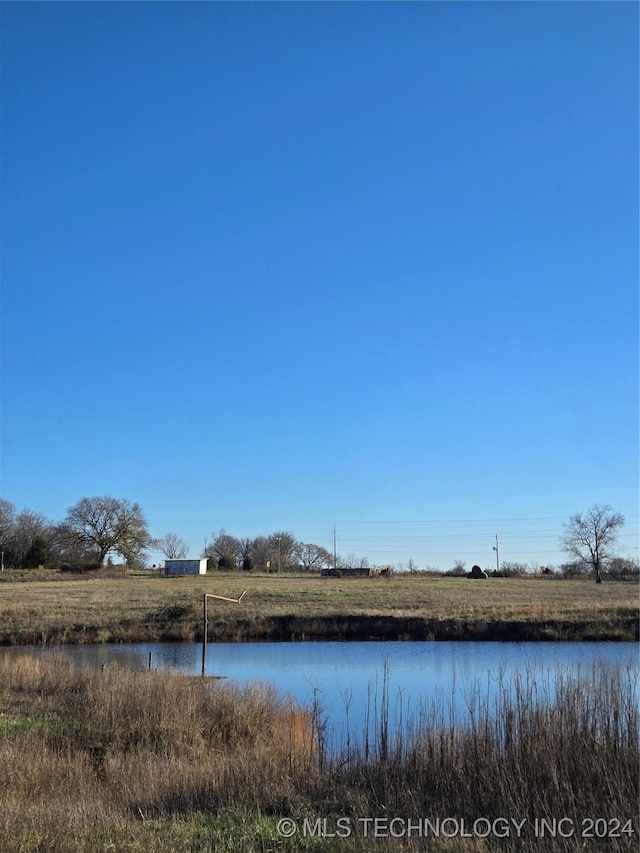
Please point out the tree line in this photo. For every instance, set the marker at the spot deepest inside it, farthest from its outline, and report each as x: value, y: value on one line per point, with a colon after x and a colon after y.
x: 98, y: 529
x: 94, y: 530
x: 278, y: 552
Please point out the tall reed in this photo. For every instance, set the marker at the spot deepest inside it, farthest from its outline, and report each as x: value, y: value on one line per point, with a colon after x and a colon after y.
x: 146, y: 761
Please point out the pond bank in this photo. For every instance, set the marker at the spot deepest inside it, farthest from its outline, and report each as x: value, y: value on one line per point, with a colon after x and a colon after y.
x: 294, y: 628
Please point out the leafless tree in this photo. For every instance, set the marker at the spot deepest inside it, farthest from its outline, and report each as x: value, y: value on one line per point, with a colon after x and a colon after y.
x: 28, y: 525
x: 282, y: 546
x: 66, y: 547
x: 312, y: 557
x: 459, y: 567
x: 7, y: 526
x: 352, y: 561
x: 590, y: 537
x: 225, y: 549
x: 172, y: 546
x: 259, y: 550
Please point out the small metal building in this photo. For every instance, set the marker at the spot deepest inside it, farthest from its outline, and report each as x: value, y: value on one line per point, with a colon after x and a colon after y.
x: 185, y: 567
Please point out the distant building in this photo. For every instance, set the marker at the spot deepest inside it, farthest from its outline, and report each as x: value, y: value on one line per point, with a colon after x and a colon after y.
x: 185, y: 567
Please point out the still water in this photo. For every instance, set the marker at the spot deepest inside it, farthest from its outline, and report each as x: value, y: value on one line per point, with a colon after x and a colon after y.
x: 352, y: 681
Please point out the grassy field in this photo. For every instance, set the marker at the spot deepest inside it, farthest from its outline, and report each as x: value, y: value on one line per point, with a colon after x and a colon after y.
x: 96, y: 608
x: 97, y: 760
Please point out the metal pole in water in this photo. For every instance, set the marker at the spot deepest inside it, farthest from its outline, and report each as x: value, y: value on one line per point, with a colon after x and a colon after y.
x: 204, y: 634
x: 205, y: 619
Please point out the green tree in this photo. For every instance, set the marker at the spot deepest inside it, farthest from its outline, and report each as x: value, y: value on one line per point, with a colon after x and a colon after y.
x: 226, y: 564
x: 27, y: 526
x: 38, y: 553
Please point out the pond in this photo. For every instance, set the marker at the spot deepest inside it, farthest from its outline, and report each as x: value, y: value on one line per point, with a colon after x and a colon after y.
x: 353, y: 682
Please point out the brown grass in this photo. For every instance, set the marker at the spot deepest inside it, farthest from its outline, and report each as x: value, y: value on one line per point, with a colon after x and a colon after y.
x: 130, y: 608
x: 117, y: 760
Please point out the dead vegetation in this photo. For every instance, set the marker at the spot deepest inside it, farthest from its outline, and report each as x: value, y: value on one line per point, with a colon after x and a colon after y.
x: 94, y: 760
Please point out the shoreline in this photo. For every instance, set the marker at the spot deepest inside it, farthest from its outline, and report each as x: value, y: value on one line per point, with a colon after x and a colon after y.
x: 340, y: 628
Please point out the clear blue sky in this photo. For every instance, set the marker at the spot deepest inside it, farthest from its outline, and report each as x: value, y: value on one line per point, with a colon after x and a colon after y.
x: 290, y: 265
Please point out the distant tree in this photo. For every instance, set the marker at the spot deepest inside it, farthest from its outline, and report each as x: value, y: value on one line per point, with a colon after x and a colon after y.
x: 312, y: 557
x: 67, y: 548
x: 225, y: 549
x: 259, y: 549
x: 621, y: 567
x: 245, y: 548
x: 104, y: 524
x: 38, y: 553
x: 513, y: 569
x: 7, y: 527
x: 411, y: 567
x: 352, y: 561
x: 591, y: 536
x: 247, y: 563
x: 27, y: 526
x: 574, y: 569
x: 282, y: 547
x: 172, y: 546
x: 458, y: 568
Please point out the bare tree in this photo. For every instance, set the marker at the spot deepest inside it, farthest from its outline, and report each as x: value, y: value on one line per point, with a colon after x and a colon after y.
x: 172, y: 546
x: 7, y: 528
x: 352, y: 561
x: 259, y: 551
x: 312, y: 557
x: 282, y: 545
x: 66, y: 547
x: 458, y: 567
x: 105, y: 524
x: 590, y: 537
x: 225, y: 549
x: 28, y: 526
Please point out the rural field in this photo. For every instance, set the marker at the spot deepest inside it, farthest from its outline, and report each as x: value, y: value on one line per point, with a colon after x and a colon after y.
x: 53, y: 608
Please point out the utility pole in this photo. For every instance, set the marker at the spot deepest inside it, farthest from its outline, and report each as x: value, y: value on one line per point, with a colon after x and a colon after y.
x: 335, y: 554
x: 495, y: 548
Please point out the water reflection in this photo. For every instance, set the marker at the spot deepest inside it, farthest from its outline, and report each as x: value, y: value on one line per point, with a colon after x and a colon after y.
x: 353, y: 680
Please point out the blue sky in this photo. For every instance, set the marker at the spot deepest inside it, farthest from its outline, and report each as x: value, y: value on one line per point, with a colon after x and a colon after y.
x: 294, y: 266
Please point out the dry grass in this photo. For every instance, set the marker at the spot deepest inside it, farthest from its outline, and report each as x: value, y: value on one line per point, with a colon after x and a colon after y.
x: 107, y: 749
x: 116, y: 760
x: 133, y: 608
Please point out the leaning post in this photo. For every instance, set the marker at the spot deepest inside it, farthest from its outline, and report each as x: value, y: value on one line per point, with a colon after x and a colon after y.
x: 205, y: 626
x: 205, y: 621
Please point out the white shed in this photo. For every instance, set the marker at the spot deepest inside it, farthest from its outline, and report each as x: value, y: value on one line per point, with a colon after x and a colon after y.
x: 185, y: 567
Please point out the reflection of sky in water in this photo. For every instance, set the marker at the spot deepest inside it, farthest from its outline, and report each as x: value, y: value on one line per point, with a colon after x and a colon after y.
x: 418, y: 674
